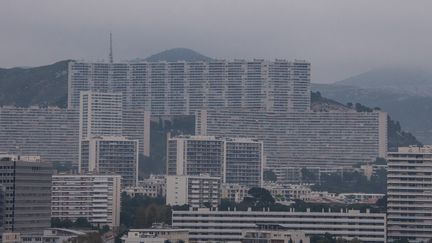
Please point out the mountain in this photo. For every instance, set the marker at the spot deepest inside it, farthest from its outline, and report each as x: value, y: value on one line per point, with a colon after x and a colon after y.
x: 44, y: 85
x: 407, y: 81
x: 178, y: 54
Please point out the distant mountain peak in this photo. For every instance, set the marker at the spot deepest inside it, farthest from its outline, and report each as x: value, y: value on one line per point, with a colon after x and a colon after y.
x: 178, y: 54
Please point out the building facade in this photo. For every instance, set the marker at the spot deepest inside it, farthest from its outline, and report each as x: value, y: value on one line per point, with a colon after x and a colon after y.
x: 234, y: 160
x: 104, y: 114
x: 182, y: 88
x: 95, y: 197
x: 207, y: 226
x: 195, y: 191
x: 156, y: 234
x: 27, y: 184
x: 303, y: 139
x: 155, y: 186
x: 111, y: 155
x: 51, y: 133
x: 409, y: 194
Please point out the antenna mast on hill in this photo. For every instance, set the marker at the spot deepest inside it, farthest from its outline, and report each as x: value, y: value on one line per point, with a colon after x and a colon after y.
x: 111, y: 58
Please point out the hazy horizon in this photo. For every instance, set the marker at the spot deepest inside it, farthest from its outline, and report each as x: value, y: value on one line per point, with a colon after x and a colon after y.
x: 340, y: 38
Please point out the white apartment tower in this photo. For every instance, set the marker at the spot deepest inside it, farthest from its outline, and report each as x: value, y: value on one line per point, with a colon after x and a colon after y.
x: 234, y: 160
x: 104, y: 114
x: 409, y: 194
x: 95, y: 197
x: 101, y: 114
x: 182, y: 88
x: 195, y: 191
x: 105, y: 154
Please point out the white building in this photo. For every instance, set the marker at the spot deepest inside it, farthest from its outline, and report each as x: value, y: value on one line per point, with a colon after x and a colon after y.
x: 51, y: 133
x: 303, y: 139
x: 155, y: 186
x: 95, y: 197
x: 111, y: 155
x: 272, y: 234
x: 234, y: 192
x: 234, y: 160
x: 182, y: 88
x: 104, y: 114
x: 156, y: 235
x: 206, y: 226
x: 101, y: 114
x: 409, y: 194
x: 195, y: 191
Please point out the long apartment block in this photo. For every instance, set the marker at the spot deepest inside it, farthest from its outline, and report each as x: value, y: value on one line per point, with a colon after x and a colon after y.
x: 303, y: 139
x: 51, y: 133
x: 227, y: 226
x: 182, y: 88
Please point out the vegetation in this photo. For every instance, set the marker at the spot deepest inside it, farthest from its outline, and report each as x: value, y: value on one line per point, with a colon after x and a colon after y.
x: 80, y: 223
x: 159, y: 133
x: 43, y: 86
x: 353, y: 182
x: 142, y: 211
x: 269, y: 175
x: 328, y: 238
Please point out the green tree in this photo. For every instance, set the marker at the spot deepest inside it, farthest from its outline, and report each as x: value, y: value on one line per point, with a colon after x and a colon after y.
x: 269, y: 175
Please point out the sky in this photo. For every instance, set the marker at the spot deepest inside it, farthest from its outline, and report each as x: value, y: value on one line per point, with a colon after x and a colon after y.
x: 340, y: 38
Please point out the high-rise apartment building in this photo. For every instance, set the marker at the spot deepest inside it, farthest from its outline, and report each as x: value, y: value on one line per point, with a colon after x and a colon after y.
x: 234, y: 160
x: 409, y: 194
x: 303, y: 139
x: 196, y: 191
x: 95, y: 197
x: 101, y: 114
x: 27, y: 184
x: 182, y: 88
x: 104, y: 114
x: 105, y: 154
x: 51, y: 133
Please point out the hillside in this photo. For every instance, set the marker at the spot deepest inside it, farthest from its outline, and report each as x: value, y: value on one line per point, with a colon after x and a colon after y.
x: 407, y: 81
x: 44, y: 85
x: 178, y: 54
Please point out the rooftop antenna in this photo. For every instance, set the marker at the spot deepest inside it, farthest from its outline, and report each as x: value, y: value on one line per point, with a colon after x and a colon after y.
x: 111, y: 58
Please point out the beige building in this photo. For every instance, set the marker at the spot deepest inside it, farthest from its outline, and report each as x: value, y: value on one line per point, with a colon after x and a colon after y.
x: 195, y: 191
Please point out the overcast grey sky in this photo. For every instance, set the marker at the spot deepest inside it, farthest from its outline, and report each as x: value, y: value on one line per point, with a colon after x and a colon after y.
x: 339, y: 37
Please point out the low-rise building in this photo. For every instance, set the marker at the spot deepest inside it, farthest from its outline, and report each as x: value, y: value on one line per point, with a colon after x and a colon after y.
x: 234, y: 192
x: 95, y: 197
x: 155, y: 186
x: 156, y: 234
x: 206, y: 226
x: 273, y: 234
x: 195, y: 191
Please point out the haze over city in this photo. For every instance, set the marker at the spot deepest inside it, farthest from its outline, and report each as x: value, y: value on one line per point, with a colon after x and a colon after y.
x: 341, y: 38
